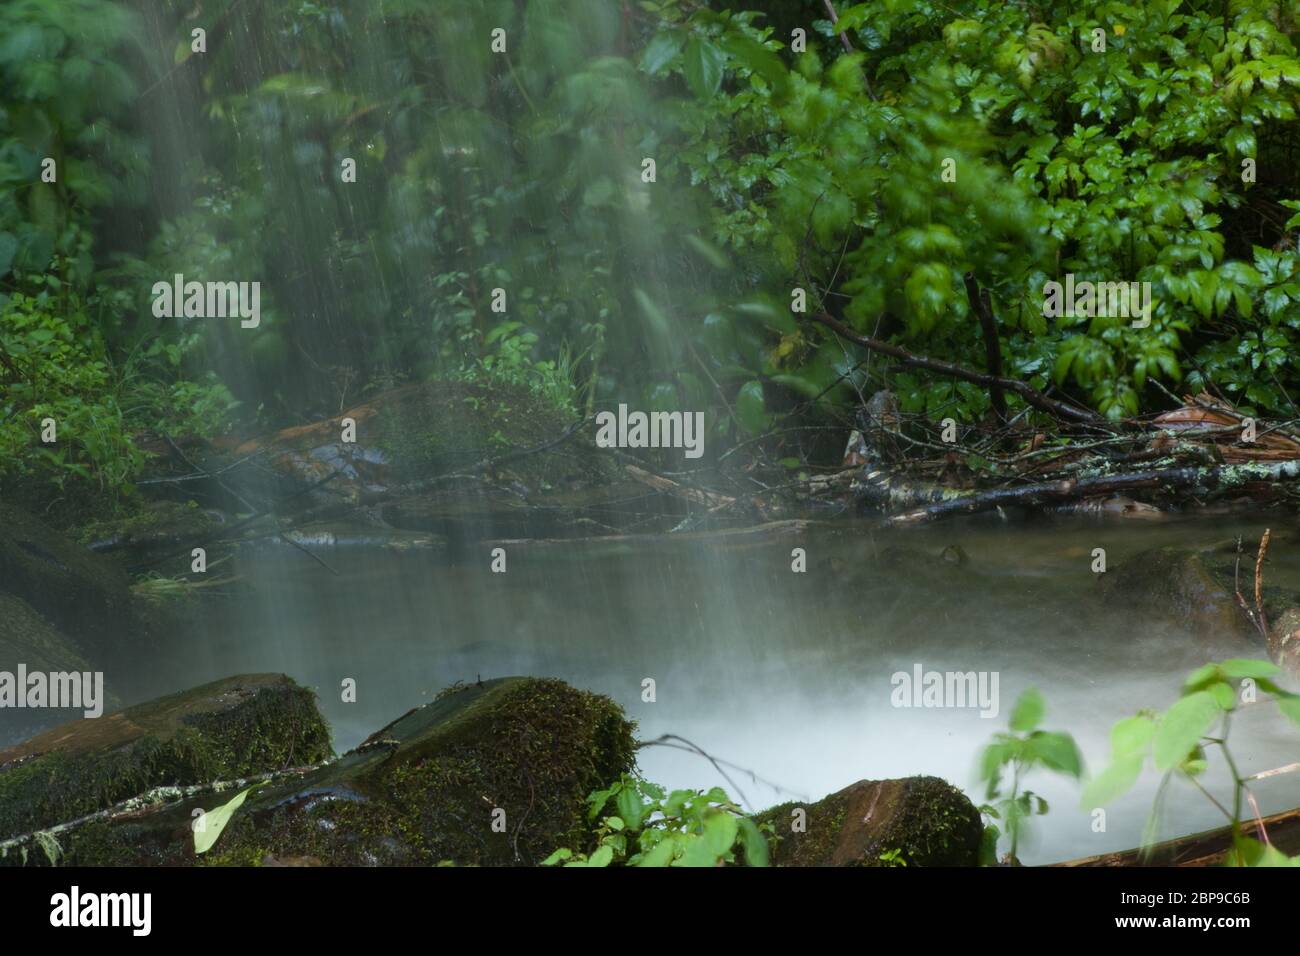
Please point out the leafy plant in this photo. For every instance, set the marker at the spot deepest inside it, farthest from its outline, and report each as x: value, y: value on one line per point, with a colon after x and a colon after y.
x: 1175, y: 743
x: 1023, y: 750
x: 649, y: 828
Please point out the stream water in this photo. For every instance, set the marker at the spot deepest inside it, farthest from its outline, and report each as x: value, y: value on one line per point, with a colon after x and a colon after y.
x: 785, y: 674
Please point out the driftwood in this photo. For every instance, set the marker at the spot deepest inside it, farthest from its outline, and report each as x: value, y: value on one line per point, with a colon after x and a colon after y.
x: 659, y: 483
x: 1204, y: 482
x: 1210, y: 848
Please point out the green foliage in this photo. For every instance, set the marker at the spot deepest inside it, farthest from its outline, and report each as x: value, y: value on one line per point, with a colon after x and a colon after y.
x: 1122, y: 165
x: 1023, y: 750
x: 52, y: 366
x: 508, y: 360
x: 1175, y: 742
x: 55, y: 365
x: 649, y: 828
x: 522, y: 171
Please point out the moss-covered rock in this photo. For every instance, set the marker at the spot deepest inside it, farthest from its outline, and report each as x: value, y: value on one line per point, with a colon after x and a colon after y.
x: 151, y: 526
x: 230, y: 728
x: 919, y: 821
x: 428, y: 787
x: 85, y: 596
x: 424, y: 790
x: 28, y: 639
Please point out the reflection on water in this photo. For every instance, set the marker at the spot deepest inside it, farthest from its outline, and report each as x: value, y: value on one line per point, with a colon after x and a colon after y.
x: 785, y: 674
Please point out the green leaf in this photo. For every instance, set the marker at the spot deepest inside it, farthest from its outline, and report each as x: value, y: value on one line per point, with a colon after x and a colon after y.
x: 1256, y: 853
x: 1200, y: 678
x: 1113, y: 782
x: 660, y: 51
x: 1132, y: 735
x: 1182, y: 727
x: 662, y: 853
x: 704, y: 67
x: 209, y: 826
x: 1239, y: 668
x: 630, y: 807
x: 750, y: 407
x: 755, y: 844
x: 1290, y: 708
x: 756, y: 58
x: 1028, y: 712
x: 1224, y: 694
x: 713, y: 844
x: 1057, y: 751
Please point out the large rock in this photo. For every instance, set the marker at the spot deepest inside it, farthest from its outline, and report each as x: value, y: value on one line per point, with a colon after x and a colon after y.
x: 28, y: 639
x: 1193, y: 588
x: 492, y: 774
x: 84, y: 595
x: 230, y: 728
x: 1197, y: 589
x: 919, y: 821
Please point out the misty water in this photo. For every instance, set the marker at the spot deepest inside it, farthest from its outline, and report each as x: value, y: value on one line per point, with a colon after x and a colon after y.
x: 785, y: 675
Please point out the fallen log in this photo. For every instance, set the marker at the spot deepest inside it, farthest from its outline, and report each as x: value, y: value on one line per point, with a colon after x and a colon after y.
x: 1203, y: 482
x: 1208, y: 848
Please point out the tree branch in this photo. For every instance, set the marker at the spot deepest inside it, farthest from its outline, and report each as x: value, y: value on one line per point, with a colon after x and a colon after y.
x: 1031, y: 395
x: 982, y: 307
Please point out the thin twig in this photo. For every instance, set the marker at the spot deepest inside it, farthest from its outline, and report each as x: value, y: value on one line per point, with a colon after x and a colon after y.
x: 677, y: 742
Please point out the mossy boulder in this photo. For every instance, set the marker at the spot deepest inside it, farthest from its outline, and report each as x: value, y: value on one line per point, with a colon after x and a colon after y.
x: 919, y: 821
x: 231, y: 728
x: 84, y: 595
x: 29, y: 639
x: 151, y: 527
x: 491, y: 774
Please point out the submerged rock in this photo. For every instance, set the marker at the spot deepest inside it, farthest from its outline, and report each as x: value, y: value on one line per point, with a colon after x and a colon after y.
x: 919, y: 821
x: 85, y: 596
x: 231, y: 728
x: 1189, y: 587
x: 27, y: 639
x: 1197, y: 590
x: 495, y: 773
